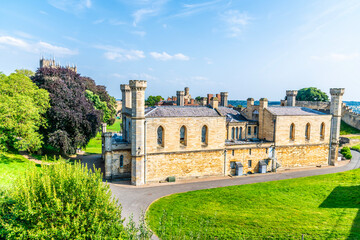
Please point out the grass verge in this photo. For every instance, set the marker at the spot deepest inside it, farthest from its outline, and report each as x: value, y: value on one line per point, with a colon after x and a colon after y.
x: 318, y: 207
x: 346, y: 129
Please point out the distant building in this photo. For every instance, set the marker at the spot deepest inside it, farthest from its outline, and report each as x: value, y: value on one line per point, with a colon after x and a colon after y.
x: 50, y: 63
x: 215, y: 140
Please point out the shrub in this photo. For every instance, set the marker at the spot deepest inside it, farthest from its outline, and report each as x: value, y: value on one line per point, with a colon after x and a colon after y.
x: 60, y: 201
x: 345, y: 151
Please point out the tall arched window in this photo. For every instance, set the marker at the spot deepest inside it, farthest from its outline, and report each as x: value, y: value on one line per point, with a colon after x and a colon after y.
x: 240, y: 134
x: 121, y: 161
x: 237, y: 134
x: 322, y: 131
x: 204, y: 134
x: 233, y: 133
x: 183, y: 135
x: 307, y: 131
x: 292, y: 132
x: 160, y: 136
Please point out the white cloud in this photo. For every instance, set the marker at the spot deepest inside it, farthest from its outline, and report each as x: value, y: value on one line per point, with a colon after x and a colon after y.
x: 98, y: 21
x: 150, y: 9
x: 164, y: 56
x: 116, y: 22
x: 138, y: 76
x: 71, y: 5
x: 35, y: 47
x: 43, y: 12
x: 338, y: 57
x: 120, y: 54
x: 141, y: 13
x: 139, y: 33
x: 235, y: 22
x: 208, y: 60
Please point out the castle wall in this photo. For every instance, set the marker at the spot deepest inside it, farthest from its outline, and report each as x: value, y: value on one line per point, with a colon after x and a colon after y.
x: 350, y: 117
x: 282, y: 136
x: 215, y: 141
x: 113, y: 158
x: 267, y: 126
x: 302, y: 156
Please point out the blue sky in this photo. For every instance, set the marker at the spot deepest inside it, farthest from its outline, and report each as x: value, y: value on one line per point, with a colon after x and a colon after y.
x: 250, y: 48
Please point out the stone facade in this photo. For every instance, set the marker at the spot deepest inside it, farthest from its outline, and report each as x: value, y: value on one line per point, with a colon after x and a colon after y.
x: 198, y: 141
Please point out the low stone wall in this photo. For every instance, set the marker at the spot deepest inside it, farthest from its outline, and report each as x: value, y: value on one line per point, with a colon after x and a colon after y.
x: 302, y: 156
x: 350, y: 117
x: 314, y: 105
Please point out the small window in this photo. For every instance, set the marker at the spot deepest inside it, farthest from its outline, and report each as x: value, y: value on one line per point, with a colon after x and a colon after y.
x: 255, y: 130
x: 249, y: 151
x: 307, y: 131
x: 121, y: 161
x: 233, y: 152
x: 183, y: 135
x: 233, y: 133
x: 204, y: 134
x: 292, y: 132
x: 249, y: 130
x: 322, y: 131
x: 237, y: 133
x: 160, y: 136
x: 232, y: 165
x: 240, y: 134
x: 249, y: 163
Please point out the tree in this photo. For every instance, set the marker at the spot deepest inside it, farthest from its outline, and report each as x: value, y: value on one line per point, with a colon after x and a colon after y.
x: 311, y: 94
x: 152, y: 100
x: 22, y: 109
x: 99, y: 105
x: 72, y: 118
x: 25, y: 72
x: 198, y: 98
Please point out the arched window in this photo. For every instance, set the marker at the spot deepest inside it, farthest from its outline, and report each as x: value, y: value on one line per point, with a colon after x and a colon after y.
x: 204, y: 134
x: 233, y: 133
x: 322, y: 131
x: 292, y: 132
x: 183, y: 135
x: 237, y: 133
x: 160, y: 136
x: 240, y: 134
x: 307, y: 131
x: 121, y: 161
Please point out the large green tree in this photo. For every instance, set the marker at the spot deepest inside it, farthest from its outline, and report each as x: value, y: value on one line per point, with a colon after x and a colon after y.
x: 311, y: 94
x: 22, y: 109
x: 100, y: 105
x: 151, y: 100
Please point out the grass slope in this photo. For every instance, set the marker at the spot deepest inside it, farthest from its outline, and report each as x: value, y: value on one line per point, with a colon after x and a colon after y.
x: 94, y: 146
x: 346, y: 129
x: 11, y: 166
x: 320, y: 207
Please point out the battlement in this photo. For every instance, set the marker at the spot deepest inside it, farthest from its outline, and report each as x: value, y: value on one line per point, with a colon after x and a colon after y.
x: 124, y: 87
x: 337, y: 91
x: 50, y: 63
x: 291, y: 92
x: 138, y: 84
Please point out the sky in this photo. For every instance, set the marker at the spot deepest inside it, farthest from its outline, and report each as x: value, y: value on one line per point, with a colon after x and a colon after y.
x: 249, y: 48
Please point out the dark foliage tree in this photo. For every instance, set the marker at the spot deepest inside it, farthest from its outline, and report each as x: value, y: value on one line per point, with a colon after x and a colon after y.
x: 312, y: 94
x: 72, y: 118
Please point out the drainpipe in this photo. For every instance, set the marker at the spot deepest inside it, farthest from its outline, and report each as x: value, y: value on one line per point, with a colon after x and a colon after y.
x: 274, y: 155
x: 225, y: 162
x: 330, y: 144
x: 145, y: 152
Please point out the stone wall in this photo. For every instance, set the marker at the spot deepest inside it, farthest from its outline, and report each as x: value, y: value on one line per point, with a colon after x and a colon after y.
x: 113, y: 159
x: 314, y: 105
x: 282, y: 135
x: 184, y: 165
x: 216, y: 134
x: 350, y: 117
x: 302, y: 156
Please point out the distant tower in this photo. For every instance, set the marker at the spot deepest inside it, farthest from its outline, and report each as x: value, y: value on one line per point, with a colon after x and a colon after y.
x: 291, y: 97
x: 335, y: 110
x: 187, y: 91
x: 224, y: 99
x: 138, y: 131
x: 180, y: 98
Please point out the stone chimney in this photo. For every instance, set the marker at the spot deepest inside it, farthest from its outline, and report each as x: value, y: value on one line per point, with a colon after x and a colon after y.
x: 335, y: 110
x: 262, y: 106
x: 214, y: 102
x: 187, y: 91
x: 209, y: 97
x: 224, y: 99
x: 126, y: 96
x: 291, y: 97
x: 203, y: 101
x: 180, y: 98
x: 192, y: 101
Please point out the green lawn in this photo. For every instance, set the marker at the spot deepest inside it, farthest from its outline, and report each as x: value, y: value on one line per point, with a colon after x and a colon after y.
x: 346, y: 129
x: 94, y: 146
x: 320, y: 207
x: 11, y: 166
x: 356, y: 147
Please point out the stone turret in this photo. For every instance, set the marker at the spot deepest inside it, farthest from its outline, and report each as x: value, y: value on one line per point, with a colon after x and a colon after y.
x: 291, y: 97
x: 138, y: 131
x: 224, y: 99
x: 187, y: 91
x: 126, y: 95
x: 180, y: 98
x: 335, y: 110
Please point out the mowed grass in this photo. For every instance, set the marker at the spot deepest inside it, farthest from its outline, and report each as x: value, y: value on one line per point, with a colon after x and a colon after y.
x: 346, y: 129
x: 94, y: 145
x: 11, y: 167
x: 319, y: 207
x: 356, y: 147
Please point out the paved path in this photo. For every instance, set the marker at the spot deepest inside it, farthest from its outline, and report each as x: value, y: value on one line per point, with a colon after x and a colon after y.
x: 135, y: 200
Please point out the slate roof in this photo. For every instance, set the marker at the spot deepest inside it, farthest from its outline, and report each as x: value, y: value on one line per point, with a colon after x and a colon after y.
x: 181, y: 111
x: 231, y: 115
x: 293, y: 111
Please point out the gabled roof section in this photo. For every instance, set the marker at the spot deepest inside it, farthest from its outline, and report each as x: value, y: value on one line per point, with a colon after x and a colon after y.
x: 293, y: 111
x: 181, y: 111
x: 231, y: 115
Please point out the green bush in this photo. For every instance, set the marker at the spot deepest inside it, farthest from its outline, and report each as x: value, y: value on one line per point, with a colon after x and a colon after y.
x: 60, y: 201
x: 345, y: 151
x: 356, y: 147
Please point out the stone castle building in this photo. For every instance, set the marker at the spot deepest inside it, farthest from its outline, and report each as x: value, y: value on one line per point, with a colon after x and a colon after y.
x: 215, y: 140
x: 50, y: 63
